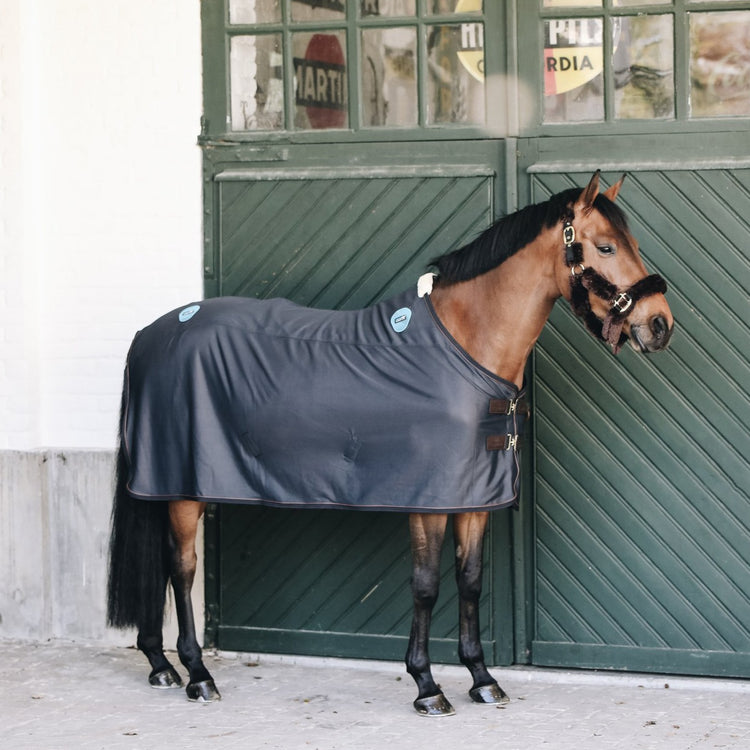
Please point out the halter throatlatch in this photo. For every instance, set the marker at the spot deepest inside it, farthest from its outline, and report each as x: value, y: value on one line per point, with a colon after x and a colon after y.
x: 584, y: 280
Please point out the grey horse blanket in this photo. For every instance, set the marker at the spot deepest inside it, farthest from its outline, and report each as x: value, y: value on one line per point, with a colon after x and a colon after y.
x: 266, y: 402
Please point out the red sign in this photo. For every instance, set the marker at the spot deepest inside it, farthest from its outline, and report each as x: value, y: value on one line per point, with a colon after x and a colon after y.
x: 321, y: 82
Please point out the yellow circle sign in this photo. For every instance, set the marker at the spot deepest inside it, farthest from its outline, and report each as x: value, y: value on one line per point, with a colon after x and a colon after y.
x: 471, y: 50
x: 573, y: 53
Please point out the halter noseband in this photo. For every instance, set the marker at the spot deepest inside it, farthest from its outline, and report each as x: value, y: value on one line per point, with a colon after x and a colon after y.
x: 584, y: 280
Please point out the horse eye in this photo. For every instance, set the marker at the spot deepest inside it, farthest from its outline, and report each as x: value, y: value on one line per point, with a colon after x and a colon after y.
x: 606, y: 249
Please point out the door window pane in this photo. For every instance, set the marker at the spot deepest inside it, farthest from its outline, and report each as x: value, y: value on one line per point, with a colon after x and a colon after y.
x: 720, y: 64
x: 254, y: 11
x: 388, y: 7
x: 573, y: 63
x: 572, y: 3
x: 643, y: 67
x: 455, y: 85
x: 454, y: 6
x: 318, y: 10
x: 631, y: 3
x: 256, y: 82
x: 320, y: 80
x: 389, y: 80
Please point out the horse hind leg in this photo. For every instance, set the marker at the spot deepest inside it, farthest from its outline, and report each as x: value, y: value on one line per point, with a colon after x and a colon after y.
x: 138, y: 574
x: 469, y: 531
x: 184, y: 516
x: 427, y: 534
x: 163, y: 674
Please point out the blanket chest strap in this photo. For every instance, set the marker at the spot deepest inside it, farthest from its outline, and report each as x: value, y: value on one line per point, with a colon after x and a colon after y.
x: 502, y: 442
x: 509, y: 406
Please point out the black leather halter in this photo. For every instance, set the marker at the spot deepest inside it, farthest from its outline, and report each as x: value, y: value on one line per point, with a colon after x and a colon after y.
x: 584, y: 280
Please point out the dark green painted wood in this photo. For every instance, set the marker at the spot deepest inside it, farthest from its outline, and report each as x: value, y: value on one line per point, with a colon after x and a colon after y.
x: 642, y: 482
x: 329, y: 583
x: 330, y: 235
x: 629, y: 551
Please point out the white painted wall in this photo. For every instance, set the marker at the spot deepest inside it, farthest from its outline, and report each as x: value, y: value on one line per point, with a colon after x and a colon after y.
x: 100, y: 202
x: 100, y: 232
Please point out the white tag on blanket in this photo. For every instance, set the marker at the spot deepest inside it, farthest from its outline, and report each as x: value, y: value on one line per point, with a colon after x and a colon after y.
x: 424, y: 284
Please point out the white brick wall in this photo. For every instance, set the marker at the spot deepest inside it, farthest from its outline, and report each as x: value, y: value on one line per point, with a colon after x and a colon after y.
x: 100, y: 202
x: 100, y: 232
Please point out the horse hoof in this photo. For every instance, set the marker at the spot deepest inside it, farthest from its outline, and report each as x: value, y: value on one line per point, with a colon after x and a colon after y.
x: 434, y: 705
x: 489, y: 694
x: 203, y: 692
x: 167, y: 678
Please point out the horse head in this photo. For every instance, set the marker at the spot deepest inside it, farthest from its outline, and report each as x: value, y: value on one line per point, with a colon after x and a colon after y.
x: 604, y: 277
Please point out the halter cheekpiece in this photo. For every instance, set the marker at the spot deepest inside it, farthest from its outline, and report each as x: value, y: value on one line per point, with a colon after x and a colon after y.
x: 584, y: 280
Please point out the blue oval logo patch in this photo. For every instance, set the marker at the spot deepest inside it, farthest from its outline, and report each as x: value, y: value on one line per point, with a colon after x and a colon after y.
x: 400, y: 319
x: 188, y: 313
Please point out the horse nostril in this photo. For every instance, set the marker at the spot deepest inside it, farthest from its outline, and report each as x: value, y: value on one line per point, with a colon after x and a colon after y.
x: 659, y: 326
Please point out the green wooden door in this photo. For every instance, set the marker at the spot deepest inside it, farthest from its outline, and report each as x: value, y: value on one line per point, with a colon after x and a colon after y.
x: 338, y: 235
x: 347, y: 143
x: 634, y: 536
x: 642, y: 471
x: 344, y: 146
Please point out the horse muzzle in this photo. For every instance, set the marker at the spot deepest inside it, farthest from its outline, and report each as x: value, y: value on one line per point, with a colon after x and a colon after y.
x: 652, y: 336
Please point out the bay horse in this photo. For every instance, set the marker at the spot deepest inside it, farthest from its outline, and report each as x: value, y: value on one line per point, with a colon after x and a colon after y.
x: 491, y: 298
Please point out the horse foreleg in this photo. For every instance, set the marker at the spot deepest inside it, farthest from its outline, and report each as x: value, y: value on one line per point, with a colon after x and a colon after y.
x: 469, y: 531
x: 184, y: 516
x: 427, y: 534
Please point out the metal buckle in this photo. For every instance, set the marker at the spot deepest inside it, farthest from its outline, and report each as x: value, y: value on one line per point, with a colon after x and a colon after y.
x: 573, y: 270
x: 569, y: 234
x: 622, y: 303
x: 511, y: 442
x: 503, y: 407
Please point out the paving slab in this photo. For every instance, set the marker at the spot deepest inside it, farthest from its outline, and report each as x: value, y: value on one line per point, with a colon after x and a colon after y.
x: 60, y: 695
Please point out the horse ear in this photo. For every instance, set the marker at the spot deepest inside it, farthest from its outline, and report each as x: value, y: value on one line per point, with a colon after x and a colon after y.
x: 613, y: 191
x: 586, y: 201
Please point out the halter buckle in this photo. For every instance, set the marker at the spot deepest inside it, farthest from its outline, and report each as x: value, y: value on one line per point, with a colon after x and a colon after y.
x: 581, y: 268
x: 622, y: 303
x: 569, y: 234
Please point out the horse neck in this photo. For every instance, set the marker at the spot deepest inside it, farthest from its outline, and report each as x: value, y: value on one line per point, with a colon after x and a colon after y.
x: 498, y: 316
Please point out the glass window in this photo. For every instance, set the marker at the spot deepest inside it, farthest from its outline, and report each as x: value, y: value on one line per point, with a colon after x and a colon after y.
x: 354, y: 64
x: 254, y: 11
x: 441, y: 7
x: 388, y: 7
x: 572, y: 3
x: 389, y: 77
x: 720, y: 64
x: 643, y: 67
x: 256, y: 82
x: 573, y: 64
x: 455, y: 85
x: 318, y: 10
x: 320, y: 80
x: 631, y: 3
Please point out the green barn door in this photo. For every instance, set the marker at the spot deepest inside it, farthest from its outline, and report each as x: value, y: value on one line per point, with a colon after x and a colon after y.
x: 641, y: 470
x: 331, y: 582
x: 344, y: 147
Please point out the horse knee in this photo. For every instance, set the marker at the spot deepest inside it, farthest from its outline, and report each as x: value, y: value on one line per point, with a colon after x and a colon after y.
x: 425, y: 587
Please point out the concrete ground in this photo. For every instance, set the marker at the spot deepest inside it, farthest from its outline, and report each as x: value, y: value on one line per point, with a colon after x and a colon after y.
x: 60, y: 695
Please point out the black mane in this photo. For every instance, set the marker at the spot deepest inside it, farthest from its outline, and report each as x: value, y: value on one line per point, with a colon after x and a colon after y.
x: 513, y: 232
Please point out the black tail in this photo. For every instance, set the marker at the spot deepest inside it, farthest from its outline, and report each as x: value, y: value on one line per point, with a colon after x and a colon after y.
x: 138, y: 557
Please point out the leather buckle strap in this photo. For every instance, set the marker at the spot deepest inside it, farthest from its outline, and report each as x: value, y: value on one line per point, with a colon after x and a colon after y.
x: 502, y: 442
x: 511, y: 406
